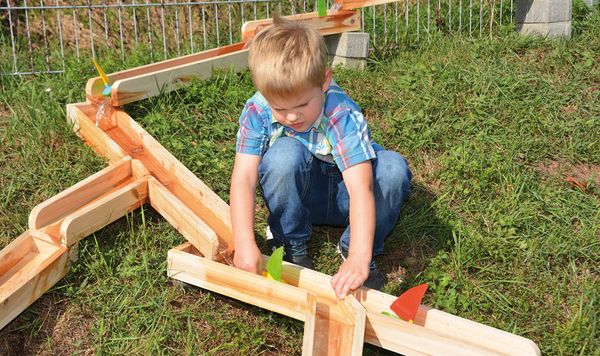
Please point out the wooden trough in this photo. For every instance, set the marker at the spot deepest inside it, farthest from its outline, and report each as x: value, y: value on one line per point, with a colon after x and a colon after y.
x: 142, y: 171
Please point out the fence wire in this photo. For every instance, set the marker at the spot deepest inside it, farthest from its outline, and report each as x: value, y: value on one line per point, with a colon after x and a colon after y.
x: 38, y: 36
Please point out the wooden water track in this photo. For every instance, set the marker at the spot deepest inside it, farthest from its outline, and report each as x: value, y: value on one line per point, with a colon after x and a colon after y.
x: 141, y: 171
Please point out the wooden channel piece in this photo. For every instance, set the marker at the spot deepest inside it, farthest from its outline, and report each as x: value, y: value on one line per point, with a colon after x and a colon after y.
x: 434, y: 332
x: 310, y: 321
x: 102, y: 212
x: 235, y: 283
x: 172, y: 174
x: 95, y: 85
x: 28, y: 267
x: 183, y: 219
x: 380, y: 328
x: 332, y: 327
x: 335, y: 22
x: 85, y: 127
x: 357, y: 4
x: 143, y: 86
x: 80, y: 194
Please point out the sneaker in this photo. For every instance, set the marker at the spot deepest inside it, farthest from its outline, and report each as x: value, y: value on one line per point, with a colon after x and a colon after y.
x: 297, y: 255
x: 376, y: 280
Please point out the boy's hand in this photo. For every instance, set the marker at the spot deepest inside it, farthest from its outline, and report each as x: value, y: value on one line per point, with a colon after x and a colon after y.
x: 351, y: 275
x: 247, y: 257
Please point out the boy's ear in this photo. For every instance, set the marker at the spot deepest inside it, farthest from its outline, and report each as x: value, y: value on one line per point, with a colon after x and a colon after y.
x: 328, y: 77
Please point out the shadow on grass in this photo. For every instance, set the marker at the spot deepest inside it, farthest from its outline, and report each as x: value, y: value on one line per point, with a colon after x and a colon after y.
x: 417, y: 237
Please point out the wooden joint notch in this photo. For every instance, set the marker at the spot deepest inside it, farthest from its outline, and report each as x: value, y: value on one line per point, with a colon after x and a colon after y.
x: 103, y: 211
x: 80, y: 194
x: 159, y: 163
x: 335, y: 22
x: 183, y: 219
x: 82, y: 118
x: 232, y: 282
x: 331, y: 327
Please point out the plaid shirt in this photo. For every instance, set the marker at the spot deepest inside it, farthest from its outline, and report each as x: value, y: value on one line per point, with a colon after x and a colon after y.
x: 339, y: 136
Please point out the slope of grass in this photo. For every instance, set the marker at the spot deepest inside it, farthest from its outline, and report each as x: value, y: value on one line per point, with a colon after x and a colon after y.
x: 491, y: 128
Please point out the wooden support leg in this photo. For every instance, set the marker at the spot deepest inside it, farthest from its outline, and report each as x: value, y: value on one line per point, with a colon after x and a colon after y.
x: 183, y: 219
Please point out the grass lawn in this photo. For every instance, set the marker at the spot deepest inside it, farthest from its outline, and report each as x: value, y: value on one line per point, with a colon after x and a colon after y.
x: 491, y: 127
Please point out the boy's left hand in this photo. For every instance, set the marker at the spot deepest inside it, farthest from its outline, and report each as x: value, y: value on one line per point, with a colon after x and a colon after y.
x: 351, y: 275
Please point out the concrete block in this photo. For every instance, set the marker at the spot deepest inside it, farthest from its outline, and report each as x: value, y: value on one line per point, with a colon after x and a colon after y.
x: 591, y: 2
x: 348, y: 44
x: 543, y: 11
x: 552, y: 29
x: 352, y: 63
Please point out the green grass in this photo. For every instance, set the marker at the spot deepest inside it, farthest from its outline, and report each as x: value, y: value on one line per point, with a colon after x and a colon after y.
x: 491, y: 128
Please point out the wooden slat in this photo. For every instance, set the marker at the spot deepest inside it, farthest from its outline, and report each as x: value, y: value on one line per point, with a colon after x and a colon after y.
x: 341, y: 21
x: 93, y: 136
x: 358, y: 315
x: 172, y: 174
x: 102, y: 212
x: 495, y: 340
x: 357, y: 4
x: 232, y: 282
x: 183, y: 219
x: 80, y: 194
x: 442, y: 334
x: 339, y: 336
x: 95, y: 85
x: 39, y: 266
x: 308, y: 341
x: 143, y: 86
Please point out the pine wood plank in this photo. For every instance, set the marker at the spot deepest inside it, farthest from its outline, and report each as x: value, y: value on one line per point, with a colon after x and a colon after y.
x: 183, y: 219
x: 335, y: 22
x: 80, y: 194
x: 232, y: 282
x: 143, y: 86
x: 95, y: 85
x: 102, y: 212
x: 174, y: 176
x: 38, y: 267
x: 308, y: 341
x: 358, y: 316
x: 85, y: 127
x: 451, y: 326
x: 434, y: 332
x: 357, y: 4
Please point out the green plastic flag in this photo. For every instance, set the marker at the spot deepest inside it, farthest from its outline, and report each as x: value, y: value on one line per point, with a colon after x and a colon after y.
x: 321, y: 8
x: 274, y: 264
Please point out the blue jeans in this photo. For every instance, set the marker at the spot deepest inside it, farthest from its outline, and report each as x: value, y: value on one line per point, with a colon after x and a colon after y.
x: 301, y: 191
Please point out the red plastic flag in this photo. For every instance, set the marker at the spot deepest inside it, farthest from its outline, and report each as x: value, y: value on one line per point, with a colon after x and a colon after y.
x: 407, y: 304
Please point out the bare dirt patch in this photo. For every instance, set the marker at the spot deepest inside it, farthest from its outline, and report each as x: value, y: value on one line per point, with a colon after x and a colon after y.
x: 57, y: 327
x: 585, y: 173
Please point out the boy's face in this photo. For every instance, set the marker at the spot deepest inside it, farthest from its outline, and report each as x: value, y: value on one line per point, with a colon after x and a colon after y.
x: 301, y: 111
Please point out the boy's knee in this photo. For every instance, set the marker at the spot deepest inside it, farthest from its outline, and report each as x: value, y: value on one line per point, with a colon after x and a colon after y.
x: 392, y: 172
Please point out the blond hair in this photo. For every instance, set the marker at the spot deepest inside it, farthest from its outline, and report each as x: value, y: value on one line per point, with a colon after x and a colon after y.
x: 287, y: 56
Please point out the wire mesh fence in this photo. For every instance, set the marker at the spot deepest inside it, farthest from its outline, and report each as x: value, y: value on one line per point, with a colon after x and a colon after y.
x: 37, y: 36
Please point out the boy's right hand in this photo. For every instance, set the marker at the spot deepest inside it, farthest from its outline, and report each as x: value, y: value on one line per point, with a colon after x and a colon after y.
x: 247, y: 257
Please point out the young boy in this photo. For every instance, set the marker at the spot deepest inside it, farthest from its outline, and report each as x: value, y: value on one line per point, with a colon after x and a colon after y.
x: 308, y: 145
